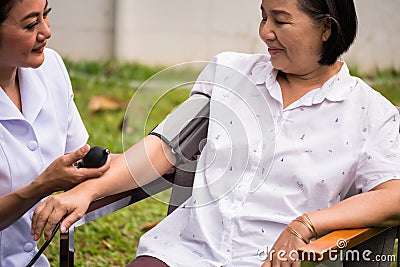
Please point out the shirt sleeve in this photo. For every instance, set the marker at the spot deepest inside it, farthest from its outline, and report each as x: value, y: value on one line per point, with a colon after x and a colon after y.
x: 204, y: 83
x: 379, y: 159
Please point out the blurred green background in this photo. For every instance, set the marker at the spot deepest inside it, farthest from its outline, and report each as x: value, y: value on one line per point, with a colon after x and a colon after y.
x: 112, y: 240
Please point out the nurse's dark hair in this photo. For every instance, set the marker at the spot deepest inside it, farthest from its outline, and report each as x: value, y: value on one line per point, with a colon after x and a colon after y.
x: 343, y: 16
x: 5, y: 8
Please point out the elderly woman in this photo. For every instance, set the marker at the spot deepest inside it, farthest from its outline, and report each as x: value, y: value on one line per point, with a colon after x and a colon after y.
x: 334, y: 137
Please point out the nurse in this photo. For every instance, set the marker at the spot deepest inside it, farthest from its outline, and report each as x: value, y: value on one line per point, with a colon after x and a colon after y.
x: 41, y: 132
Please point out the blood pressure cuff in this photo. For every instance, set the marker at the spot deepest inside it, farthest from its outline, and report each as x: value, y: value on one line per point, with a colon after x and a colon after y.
x: 185, y: 128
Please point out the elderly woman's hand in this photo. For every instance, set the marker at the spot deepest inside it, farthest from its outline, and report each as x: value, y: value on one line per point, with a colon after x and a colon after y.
x: 284, y: 251
x: 70, y: 205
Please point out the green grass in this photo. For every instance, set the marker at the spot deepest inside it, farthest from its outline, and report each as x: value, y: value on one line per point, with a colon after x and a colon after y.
x: 112, y: 240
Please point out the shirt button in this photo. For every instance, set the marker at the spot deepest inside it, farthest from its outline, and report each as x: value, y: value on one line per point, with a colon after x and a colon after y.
x: 28, y: 247
x: 32, y: 145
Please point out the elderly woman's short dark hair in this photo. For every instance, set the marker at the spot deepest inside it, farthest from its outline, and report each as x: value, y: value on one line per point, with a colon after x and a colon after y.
x: 343, y: 16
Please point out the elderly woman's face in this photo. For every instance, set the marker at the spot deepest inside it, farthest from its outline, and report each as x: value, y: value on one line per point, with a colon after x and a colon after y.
x: 24, y: 34
x: 294, y: 41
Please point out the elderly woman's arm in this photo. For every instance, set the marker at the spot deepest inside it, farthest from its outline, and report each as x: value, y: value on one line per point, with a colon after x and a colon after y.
x: 378, y: 207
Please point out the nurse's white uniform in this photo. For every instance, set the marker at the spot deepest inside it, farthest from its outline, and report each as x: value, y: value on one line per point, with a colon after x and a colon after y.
x: 48, y: 127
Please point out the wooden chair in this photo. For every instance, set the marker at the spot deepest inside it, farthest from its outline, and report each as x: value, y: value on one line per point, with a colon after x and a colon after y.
x: 346, y: 243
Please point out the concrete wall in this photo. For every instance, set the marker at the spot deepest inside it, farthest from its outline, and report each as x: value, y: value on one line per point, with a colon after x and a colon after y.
x: 176, y: 31
x: 82, y: 29
x: 378, y: 41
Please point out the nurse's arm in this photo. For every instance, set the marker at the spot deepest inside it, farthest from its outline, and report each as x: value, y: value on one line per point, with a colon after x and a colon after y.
x: 61, y: 174
x: 15, y: 204
x: 140, y: 164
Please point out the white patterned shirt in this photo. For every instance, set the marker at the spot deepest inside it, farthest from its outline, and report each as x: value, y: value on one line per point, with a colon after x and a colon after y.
x: 264, y: 165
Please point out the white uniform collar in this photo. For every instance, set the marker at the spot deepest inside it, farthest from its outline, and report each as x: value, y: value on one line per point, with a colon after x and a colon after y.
x: 8, y: 110
x: 33, y: 96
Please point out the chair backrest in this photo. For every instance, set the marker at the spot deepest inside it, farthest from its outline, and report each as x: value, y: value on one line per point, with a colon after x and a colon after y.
x: 181, y: 188
x: 380, y: 247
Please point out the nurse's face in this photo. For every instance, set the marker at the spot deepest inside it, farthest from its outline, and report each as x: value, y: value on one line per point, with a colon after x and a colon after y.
x: 24, y: 34
x: 294, y: 40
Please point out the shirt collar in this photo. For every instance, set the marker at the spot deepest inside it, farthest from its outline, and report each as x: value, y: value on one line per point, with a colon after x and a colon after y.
x: 263, y: 72
x: 339, y: 87
x: 336, y: 89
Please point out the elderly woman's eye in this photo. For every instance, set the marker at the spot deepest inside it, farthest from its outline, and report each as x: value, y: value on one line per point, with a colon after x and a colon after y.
x: 46, y: 13
x: 32, y: 25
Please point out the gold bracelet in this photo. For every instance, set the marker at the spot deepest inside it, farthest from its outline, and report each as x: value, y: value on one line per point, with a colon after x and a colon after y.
x: 307, y: 218
x: 294, y: 232
x: 306, y: 223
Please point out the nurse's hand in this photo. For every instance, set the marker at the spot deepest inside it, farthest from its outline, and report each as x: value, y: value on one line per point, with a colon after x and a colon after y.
x: 62, y: 174
x: 70, y: 205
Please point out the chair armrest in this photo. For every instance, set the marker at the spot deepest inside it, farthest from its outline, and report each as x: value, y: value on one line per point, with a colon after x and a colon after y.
x: 102, y: 202
x: 109, y: 204
x: 136, y: 194
x: 333, y: 243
